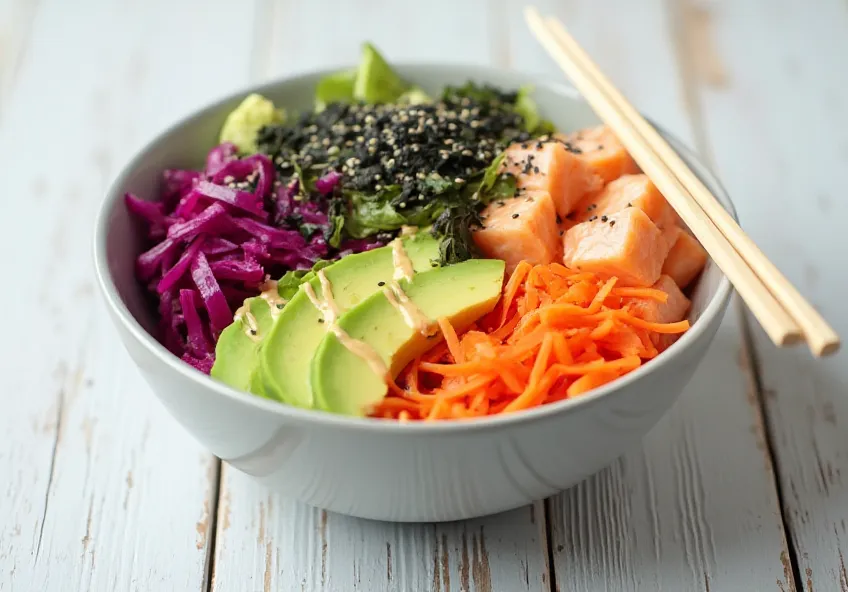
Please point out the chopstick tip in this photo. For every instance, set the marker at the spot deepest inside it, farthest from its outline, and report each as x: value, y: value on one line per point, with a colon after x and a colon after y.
x: 827, y: 349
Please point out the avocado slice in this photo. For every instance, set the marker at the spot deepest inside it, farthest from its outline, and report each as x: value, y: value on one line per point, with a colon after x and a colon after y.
x: 345, y: 383
x: 287, y: 352
x: 237, y: 350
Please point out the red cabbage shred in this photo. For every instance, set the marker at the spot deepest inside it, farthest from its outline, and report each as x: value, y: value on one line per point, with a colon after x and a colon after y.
x: 214, y: 236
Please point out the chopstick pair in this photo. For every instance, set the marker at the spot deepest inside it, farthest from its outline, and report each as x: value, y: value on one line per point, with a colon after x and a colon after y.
x: 781, y: 310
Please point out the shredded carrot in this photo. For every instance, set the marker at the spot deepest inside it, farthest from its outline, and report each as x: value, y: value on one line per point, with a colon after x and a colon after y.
x: 555, y: 334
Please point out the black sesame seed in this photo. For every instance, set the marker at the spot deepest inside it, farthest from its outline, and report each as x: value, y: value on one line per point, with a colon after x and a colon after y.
x: 612, y: 223
x: 604, y: 218
x: 515, y: 216
x: 320, y: 320
x: 592, y: 218
x: 381, y: 284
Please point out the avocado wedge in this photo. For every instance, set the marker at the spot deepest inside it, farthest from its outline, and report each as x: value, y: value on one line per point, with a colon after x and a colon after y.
x: 285, y: 357
x: 345, y: 382
x: 237, y: 350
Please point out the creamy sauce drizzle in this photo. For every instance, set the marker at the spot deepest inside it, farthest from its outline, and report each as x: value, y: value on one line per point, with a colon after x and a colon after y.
x: 402, y: 263
x: 412, y: 315
x: 244, y: 316
x: 361, y: 350
x: 327, y: 293
x: 272, y: 297
x: 330, y: 311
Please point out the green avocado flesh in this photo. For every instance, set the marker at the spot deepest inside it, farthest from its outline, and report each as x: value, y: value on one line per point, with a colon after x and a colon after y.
x: 237, y: 351
x: 285, y: 356
x: 344, y: 383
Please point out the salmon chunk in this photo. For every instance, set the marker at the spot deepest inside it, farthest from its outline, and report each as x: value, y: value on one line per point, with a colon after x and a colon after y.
x: 628, y: 191
x: 599, y: 148
x: 521, y: 228
x: 627, y: 245
x: 548, y: 166
x: 672, y: 310
x: 685, y: 260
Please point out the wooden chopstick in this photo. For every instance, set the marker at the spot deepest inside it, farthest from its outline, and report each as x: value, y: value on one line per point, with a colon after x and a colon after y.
x: 820, y: 336
x: 780, y: 326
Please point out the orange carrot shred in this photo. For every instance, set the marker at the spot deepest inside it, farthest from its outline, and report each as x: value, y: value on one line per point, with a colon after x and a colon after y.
x: 555, y: 334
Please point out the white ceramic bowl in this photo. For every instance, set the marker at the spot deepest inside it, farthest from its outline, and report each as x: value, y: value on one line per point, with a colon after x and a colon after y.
x: 375, y: 468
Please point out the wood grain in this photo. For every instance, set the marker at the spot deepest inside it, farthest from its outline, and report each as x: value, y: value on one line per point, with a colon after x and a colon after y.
x: 668, y: 516
x: 102, y: 490
x: 266, y: 542
x: 787, y: 67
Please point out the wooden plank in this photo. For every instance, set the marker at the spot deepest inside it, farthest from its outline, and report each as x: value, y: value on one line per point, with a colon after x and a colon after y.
x: 671, y: 515
x: 785, y: 86
x: 102, y: 490
x: 266, y: 542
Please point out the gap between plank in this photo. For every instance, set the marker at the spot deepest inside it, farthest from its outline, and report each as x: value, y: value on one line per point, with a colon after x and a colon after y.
x: 215, y: 496
x: 60, y: 409
x: 680, y: 14
x: 553, y: 585
x: 752, y: 364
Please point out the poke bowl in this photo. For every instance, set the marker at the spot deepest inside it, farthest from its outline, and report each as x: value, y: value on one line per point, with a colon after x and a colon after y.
x: 431, y: 347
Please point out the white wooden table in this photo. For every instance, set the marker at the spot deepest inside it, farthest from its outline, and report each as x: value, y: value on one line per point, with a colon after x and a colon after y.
x: 739, y: 488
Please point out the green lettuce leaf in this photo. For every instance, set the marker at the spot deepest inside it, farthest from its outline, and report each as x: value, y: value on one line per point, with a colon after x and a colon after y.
x: 288, y: 285
x: 245, y: 121
x: 373, y: 81
x: 526, y: 107
x: 376, y: 81
x: 454, y: 227
x: 336, y: 87
x: 415, y: 96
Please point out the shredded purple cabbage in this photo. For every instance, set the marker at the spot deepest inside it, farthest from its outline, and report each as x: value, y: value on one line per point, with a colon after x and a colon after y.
x: 327, y: 183
x: 214, y: 236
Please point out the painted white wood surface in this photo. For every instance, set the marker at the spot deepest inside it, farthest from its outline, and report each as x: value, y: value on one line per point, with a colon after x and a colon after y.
x: 778, y: 132
x: 104, y: 491
x: 266, y: 542
x: 101, y: 489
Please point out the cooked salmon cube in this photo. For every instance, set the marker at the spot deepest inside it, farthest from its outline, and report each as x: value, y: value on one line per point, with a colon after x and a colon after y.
x: 548, y: 166
x: 635, y: 191
x: 685, y: 260
x: 600, y: 149
x: 626, y: 244
x: 520, y: 228
x: 672, y: 310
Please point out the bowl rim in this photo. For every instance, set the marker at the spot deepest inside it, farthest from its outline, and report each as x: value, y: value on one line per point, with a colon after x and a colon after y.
x: 317, y: 418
